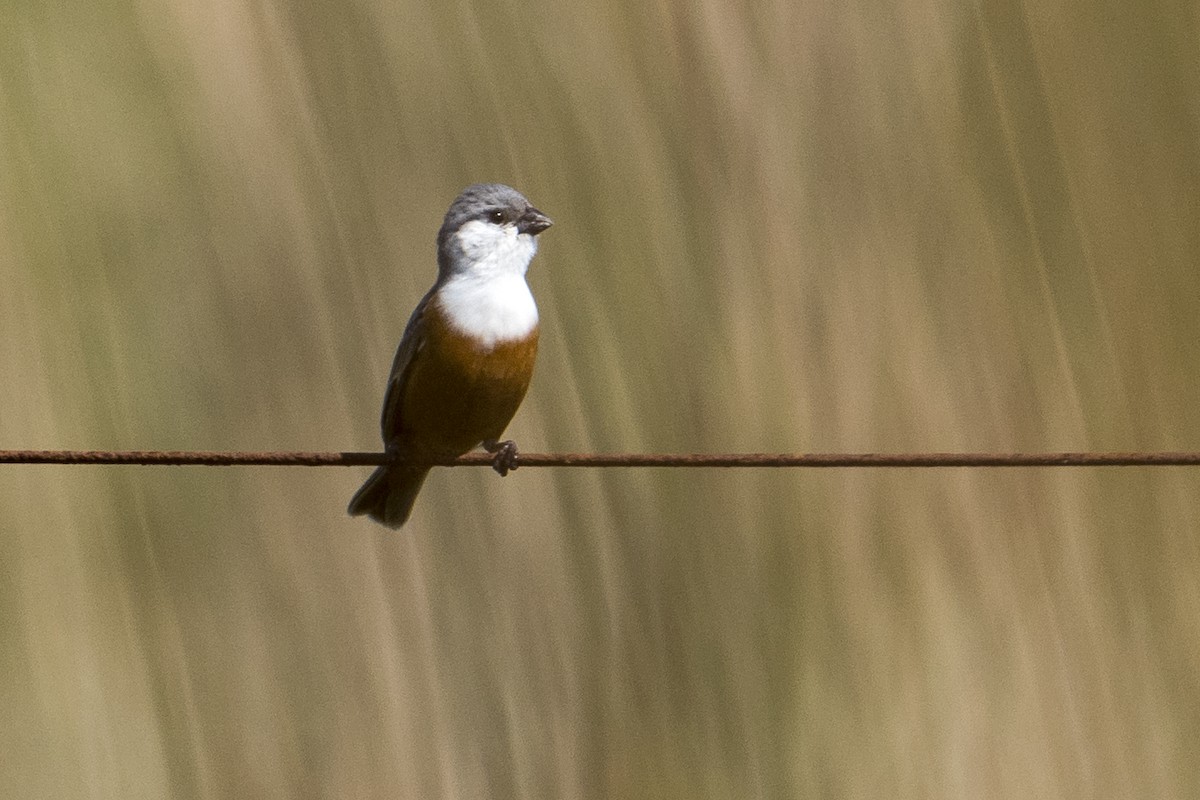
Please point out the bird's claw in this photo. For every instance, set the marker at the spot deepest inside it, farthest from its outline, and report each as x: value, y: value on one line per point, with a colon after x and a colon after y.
x: 504, y: 456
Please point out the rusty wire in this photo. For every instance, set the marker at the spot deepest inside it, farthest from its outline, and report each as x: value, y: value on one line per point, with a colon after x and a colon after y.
x: 845, y: 460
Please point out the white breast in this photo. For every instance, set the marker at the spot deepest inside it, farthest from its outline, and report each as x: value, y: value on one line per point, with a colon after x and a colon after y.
x: 492, y: 309
x: 486, y: 296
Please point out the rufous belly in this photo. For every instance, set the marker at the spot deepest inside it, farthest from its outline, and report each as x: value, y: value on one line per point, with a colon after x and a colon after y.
x: 458, y: 393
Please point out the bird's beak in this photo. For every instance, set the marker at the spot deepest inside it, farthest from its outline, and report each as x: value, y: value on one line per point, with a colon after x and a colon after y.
x: 533, y: 222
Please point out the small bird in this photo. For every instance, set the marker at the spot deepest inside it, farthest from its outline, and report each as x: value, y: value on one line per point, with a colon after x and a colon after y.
x: 467, y: 353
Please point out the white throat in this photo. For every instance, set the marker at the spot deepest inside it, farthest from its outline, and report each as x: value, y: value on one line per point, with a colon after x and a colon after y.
x: 485, y: 295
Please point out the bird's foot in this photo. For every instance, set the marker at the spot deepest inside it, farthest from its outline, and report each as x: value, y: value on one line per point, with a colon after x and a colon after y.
x: 504, y: 454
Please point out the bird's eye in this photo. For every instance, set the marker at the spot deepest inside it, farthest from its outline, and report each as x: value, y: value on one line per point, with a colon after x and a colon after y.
x: 496, y: 217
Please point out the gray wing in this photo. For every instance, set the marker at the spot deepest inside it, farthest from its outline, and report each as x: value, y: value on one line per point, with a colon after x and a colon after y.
x: 412, y: 341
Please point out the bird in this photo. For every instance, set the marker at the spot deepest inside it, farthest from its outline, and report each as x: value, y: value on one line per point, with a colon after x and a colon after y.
x: 466, y: 357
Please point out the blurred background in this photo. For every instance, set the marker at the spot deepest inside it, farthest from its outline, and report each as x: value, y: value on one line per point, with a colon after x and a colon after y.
x: 804, y: 227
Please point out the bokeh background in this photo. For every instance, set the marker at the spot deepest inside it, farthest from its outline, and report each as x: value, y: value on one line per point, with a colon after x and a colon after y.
x: 806, y: 227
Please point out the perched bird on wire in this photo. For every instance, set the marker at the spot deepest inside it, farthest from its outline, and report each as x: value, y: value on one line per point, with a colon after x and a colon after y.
x: 467, y: 353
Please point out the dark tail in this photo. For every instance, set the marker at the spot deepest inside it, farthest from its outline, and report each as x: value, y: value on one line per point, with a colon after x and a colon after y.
x: 389, y: 494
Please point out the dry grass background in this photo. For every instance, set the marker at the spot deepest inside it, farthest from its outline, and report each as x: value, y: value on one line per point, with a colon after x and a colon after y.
x: 805, y: 227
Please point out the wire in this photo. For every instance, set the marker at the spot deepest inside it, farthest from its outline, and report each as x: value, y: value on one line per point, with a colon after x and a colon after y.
x: 357, y: 459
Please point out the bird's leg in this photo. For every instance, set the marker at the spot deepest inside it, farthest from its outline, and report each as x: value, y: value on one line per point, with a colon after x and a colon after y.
x: 505, y: 455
